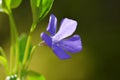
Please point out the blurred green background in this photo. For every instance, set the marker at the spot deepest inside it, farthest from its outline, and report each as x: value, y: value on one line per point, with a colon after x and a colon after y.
x: 99, y: 28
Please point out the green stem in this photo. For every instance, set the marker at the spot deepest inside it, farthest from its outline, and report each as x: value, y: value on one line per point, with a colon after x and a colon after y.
x: 11, y: 48
x: 28, y: 62
x: 14, y: 44
x: 28, y: 44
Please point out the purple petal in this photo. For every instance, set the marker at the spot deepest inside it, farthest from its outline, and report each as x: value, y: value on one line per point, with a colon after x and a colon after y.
x: 72, y: 44
x: 52, y: 25
x: 67, y: 28
x: 47, y: 39
x: 60, y: 53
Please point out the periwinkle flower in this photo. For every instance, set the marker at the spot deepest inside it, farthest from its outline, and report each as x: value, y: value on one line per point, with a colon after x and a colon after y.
x: 57, y: 40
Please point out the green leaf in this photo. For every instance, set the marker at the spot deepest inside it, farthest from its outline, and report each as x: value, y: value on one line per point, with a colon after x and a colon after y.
x: 40, y: 8
x: 46, y: 4
x: 15, y: 3
x: 7, y: 5
x: 31, y: 75
x: 4, y: 4
x: 22, y: 45
x: 3, y: 61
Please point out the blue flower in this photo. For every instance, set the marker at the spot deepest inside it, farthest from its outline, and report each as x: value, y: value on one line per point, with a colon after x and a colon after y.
x: 57, y: 40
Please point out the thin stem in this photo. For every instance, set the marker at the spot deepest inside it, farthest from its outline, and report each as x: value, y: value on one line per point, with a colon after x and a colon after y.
x: 32, y: 51
x: 28, y: 62
x: 28, y: 44
x: 14, y: 44
x: 27, y: 49
x: 11, y: 49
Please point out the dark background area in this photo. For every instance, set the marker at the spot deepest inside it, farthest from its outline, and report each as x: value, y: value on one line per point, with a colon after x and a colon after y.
x: 99, y: 28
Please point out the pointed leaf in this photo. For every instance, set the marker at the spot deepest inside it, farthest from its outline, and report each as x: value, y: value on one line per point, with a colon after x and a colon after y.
x: 31, y: 75
x: 22, y: 45
x: 40, y: 8
x: 46, y: 6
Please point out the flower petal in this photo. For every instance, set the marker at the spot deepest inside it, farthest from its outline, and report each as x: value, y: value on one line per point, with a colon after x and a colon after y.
x: 72, y: 44
x: 60, y: 53
x: 67, y: 28
x: 52, y: 25
x: 47, y: 39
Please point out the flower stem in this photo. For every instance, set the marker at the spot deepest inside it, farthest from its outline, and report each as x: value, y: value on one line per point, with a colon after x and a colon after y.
x: 28, y: 62
x: 28, y: 44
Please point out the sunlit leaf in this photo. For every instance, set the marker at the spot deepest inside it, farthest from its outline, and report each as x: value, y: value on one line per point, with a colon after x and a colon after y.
x: 40, y: 8
x: 22, y: 45
x: 7, y: 5
x: 15, y: 3
x: 3, y: 61
x: 4, y: 5
x: 31, y: 75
